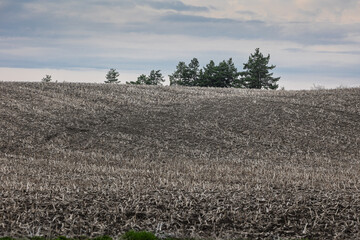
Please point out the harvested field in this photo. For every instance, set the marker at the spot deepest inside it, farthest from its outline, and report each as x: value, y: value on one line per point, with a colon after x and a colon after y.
x: 90, y: 159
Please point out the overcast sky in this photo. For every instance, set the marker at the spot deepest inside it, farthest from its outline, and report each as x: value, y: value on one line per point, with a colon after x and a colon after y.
x: 310, y: 41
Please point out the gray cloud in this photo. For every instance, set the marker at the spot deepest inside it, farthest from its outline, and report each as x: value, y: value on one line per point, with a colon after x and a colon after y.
x: 309, y: 33
x: 350, y: 71
x: 302, y: 50
x: 246, y: 13
x: 99, y: 33
x: 175, y: 5
x: 193, y: 25
x: 182, y: 18
x: 306, y: 33
x: 16, y: 19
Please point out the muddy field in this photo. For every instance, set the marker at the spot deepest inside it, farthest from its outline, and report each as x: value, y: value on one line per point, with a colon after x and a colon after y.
x: 95, y: 159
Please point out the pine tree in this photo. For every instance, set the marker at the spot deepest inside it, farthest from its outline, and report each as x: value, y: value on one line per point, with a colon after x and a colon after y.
x: 181, y: 75
x: 223, y: 75
x: 46, y: 79
x: 227, y: 73
x: 111, y: 76
x: 208, y: 75
x: 256, y: 74
x: 155, y: 78
x: 194, y: 72
x: 186, y: 75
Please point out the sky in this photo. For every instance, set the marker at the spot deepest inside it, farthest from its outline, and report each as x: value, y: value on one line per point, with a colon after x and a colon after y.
x: 311, y: 42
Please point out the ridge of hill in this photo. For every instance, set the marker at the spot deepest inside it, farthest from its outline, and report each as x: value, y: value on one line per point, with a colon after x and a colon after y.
x: 92, y: 159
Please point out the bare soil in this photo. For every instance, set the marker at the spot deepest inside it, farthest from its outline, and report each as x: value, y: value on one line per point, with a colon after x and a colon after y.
x: 95, y: 159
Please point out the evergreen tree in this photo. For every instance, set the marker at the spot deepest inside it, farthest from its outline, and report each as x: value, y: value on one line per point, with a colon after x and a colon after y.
x: 208, y: 75
x: 227, y: 74
x: 256, y: 74
x: 194, y: 71
x: 111, y: 76
x: 46, y: 79
x: 155, y: 78
x: 140, y: 80
x: 180, y: 76
x: 186, y: 75
x: 223, y: 75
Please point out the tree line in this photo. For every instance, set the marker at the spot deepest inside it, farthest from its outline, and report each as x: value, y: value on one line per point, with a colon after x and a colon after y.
x: 256, y: 74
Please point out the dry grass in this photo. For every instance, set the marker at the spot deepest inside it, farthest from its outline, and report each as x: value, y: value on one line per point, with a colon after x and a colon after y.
x: 81, y: 159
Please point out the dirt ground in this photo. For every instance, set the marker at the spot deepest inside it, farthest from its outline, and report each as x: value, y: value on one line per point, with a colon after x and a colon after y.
x: 95, y: 159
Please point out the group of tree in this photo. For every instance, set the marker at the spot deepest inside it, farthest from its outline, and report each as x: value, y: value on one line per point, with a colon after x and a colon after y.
x: 256, y: 74
x: 223, y: 75
x: 154, y: 78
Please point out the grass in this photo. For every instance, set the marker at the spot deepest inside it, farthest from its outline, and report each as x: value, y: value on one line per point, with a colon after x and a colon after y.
x: 142, y: 235
x: 94, y: 159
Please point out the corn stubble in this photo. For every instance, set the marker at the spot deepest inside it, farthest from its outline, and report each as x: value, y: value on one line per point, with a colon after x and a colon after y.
x: 87, y: 159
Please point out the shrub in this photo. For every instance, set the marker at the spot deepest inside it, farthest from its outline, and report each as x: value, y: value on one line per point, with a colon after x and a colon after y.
x: 6, y: 238
x: 46, y: 79
x: 102, y: 238
x: 132, y: 235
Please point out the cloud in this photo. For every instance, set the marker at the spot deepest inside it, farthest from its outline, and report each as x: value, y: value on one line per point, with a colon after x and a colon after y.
x: 199, y: 26
x: 302, y: 50
x: 247, y: 13
x: 350, y: 71
x: 176, y: 6
x: 313, y: 33
x: 303, y: 36
x: 53, y: 20
x: 306, y: 33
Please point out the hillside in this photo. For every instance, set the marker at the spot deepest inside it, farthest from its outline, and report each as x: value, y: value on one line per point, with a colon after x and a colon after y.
x: 91, y: 159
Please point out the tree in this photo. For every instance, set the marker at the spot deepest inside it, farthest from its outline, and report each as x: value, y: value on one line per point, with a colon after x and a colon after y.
x: 194, y: 71
x: 208, y: 75
x: 142, y: 79
x: 46, y: 79
x: 155, y: 78
x: 181, y: 75
x: 228, y: 74
x: 223, y: 75
x: 186, y: 75
x: 111, y: 76
x: 256, y: 74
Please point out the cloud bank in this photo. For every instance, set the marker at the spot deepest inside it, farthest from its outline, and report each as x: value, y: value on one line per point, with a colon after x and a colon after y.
x: 316, y: 40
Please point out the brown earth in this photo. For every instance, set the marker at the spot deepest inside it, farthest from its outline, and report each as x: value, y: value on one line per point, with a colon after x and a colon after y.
x: 94, y: 159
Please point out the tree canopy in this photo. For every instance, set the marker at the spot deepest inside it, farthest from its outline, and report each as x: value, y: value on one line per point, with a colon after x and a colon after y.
x: 111, y: 76
x: 256, y: 74
x: 154, y: 78
x: 225, y: 74
x: 187, y: 75
x: 47, y: 78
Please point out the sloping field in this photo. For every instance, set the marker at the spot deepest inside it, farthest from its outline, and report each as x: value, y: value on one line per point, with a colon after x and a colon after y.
x: 81, y: 159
